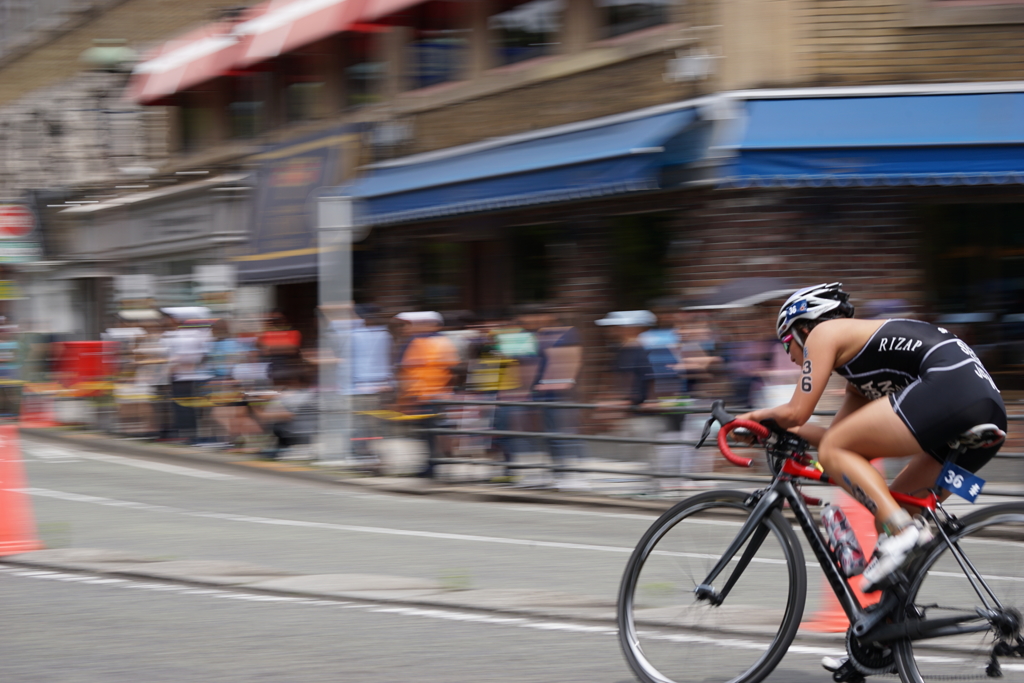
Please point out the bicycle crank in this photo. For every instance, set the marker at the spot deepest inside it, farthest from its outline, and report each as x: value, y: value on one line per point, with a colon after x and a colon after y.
x: 868, y: 658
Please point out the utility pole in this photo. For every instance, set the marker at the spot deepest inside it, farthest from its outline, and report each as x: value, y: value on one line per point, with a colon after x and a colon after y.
x: 335, y: 236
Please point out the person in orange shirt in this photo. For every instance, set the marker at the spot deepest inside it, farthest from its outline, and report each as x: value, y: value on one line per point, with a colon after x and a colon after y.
x: 425, y: 372
x: 425, y: 366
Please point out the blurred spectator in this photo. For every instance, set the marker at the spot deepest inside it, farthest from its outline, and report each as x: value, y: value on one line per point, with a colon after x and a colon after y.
x: 152, y: 379
x: 291, y: 414
x: 425, y: 372
x: 187, y: 346
x: 370, y: 384
x: 372, y: 374
x: 133, y: 401
x: 230, y: 411
x: 10, y: 371
x: 560, y: 361
x: 516, y: 349
x: 458, y: 329
x: 633, y: 375
x: 698, y: 352
x: 747, y: 363
x: 280, y: 343
x: 632, y: 388
x: 664, y: 348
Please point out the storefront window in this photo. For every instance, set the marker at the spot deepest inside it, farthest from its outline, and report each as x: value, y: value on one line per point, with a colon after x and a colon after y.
x: 975, y: 270
x: 639, y: 248
x: 522, y: 30
x: 195, y: 122
x: 247, y: 108
x: 443, y: 267
x: 438, y: 47
x: 625, y: 16
x: 302, y: 100
x: 304, y: 85
x: 436, y: 57
x: 531, y: 274
x: 364, y: 75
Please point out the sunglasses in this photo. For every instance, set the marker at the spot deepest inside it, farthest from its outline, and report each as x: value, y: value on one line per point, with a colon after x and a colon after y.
x: 786, y: 341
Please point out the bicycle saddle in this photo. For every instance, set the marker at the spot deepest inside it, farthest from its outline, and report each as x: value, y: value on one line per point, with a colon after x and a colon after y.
x: 979, y: 436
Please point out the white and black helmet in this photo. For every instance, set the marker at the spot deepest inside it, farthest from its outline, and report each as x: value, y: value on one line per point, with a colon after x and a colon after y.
x: 813, y: 303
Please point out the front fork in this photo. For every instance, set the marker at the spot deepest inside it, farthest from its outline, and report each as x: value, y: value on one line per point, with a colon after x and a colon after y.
x: 752, y: 529
x: 780, y: 491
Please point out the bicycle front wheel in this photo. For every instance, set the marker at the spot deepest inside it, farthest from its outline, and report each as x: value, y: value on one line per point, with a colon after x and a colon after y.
x: 993, y: 541
x: 668, y: 636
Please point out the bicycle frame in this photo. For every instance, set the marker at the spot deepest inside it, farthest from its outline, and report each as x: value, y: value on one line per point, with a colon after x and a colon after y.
x: 867, y: 622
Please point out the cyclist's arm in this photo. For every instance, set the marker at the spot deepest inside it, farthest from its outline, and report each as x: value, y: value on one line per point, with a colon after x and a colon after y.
x: 819, y: 358
x: 814, y: 433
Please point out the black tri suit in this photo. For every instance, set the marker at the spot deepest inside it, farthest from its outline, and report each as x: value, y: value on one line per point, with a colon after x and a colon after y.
x: 935, y: 383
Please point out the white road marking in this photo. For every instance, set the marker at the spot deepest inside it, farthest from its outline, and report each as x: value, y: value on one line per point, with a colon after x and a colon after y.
x: 469, y: 617
x: 274, y: 521
x: 987, y: 577
x: 157, y: 466
x: 548, y: 510
x: 53, y: 454
x: 58, y: 454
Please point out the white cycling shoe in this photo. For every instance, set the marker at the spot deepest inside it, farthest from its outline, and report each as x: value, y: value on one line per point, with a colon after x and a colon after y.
x: 833, y: 664
x: 890, y: 554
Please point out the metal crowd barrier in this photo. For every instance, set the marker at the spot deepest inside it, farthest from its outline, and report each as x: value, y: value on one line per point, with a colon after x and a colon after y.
x: 668, y: 410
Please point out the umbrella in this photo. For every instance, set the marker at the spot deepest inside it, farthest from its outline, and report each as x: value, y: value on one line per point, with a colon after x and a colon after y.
x: 746, y: 291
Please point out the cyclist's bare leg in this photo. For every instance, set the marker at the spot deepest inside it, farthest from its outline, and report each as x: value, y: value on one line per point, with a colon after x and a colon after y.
x: 874, y: 431
x: 917, y: 477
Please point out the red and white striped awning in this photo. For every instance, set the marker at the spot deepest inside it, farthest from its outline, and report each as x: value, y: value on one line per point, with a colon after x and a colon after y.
x: 375, y: 9
x: 184, y: 62
x: 262, y: 32
x: 287, y: 25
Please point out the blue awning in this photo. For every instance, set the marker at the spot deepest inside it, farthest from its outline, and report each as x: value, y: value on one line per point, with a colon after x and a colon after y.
x: 593, y: 159
x: 935, y: 139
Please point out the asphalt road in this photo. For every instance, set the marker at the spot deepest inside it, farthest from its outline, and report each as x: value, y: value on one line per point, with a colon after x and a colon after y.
x: 82, y: 628
x: 74, y: 631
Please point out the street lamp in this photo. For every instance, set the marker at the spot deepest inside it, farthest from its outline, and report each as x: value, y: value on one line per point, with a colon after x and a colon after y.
x: 109, y: 54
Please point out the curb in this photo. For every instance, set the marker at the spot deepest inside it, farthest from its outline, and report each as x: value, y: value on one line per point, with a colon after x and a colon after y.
x: 403, y: 485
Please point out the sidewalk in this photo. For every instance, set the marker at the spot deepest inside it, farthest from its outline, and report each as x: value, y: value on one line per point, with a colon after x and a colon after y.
x: 994, y: 492
x: 341, y: 474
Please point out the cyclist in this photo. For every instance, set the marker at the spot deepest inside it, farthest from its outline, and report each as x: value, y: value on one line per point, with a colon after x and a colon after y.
x: 913, y: 389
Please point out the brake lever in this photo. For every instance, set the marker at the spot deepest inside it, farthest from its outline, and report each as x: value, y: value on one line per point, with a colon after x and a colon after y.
x: 706, y: 433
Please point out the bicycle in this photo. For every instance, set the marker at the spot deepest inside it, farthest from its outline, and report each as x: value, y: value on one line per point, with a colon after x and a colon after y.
x: 697, y: 605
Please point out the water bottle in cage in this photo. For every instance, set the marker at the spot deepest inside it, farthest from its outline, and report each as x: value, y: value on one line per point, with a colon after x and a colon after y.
x: 842, y: 540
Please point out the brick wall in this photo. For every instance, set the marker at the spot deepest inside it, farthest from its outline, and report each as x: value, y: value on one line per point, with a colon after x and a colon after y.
x: 623, y: 87
x: 872, y: 41
x: 77, y: 133
x: 141, y: 22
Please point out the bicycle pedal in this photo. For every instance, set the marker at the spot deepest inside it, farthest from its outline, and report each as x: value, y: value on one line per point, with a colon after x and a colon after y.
x: 847, y: 673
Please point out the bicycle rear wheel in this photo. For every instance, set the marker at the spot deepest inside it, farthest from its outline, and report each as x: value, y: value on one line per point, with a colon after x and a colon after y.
x: 668, y: 636
x: 993, y: 540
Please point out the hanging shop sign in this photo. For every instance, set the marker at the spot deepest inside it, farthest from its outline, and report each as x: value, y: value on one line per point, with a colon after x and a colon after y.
x: 283, y: 242
x: 18, y: 242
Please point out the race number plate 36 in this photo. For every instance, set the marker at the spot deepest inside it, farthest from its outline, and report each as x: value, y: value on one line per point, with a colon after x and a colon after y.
x: 959, y: 481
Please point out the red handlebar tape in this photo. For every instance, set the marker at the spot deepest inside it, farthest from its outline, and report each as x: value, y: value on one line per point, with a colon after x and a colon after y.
x: 760, y: 430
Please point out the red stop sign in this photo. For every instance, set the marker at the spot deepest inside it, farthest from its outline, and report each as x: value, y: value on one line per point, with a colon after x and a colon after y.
x: 15, y: 220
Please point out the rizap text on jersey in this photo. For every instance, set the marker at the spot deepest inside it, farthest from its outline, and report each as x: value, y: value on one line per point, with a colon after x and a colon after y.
x: 899, y: 344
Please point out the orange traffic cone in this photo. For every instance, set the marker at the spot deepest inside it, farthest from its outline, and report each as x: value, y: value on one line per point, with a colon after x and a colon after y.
x: 830, y: 617
x: 17, y: 528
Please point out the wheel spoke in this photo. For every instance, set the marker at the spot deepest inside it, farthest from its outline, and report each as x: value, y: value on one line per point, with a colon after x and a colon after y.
x: 669, y: 636
x: 943, y: 588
